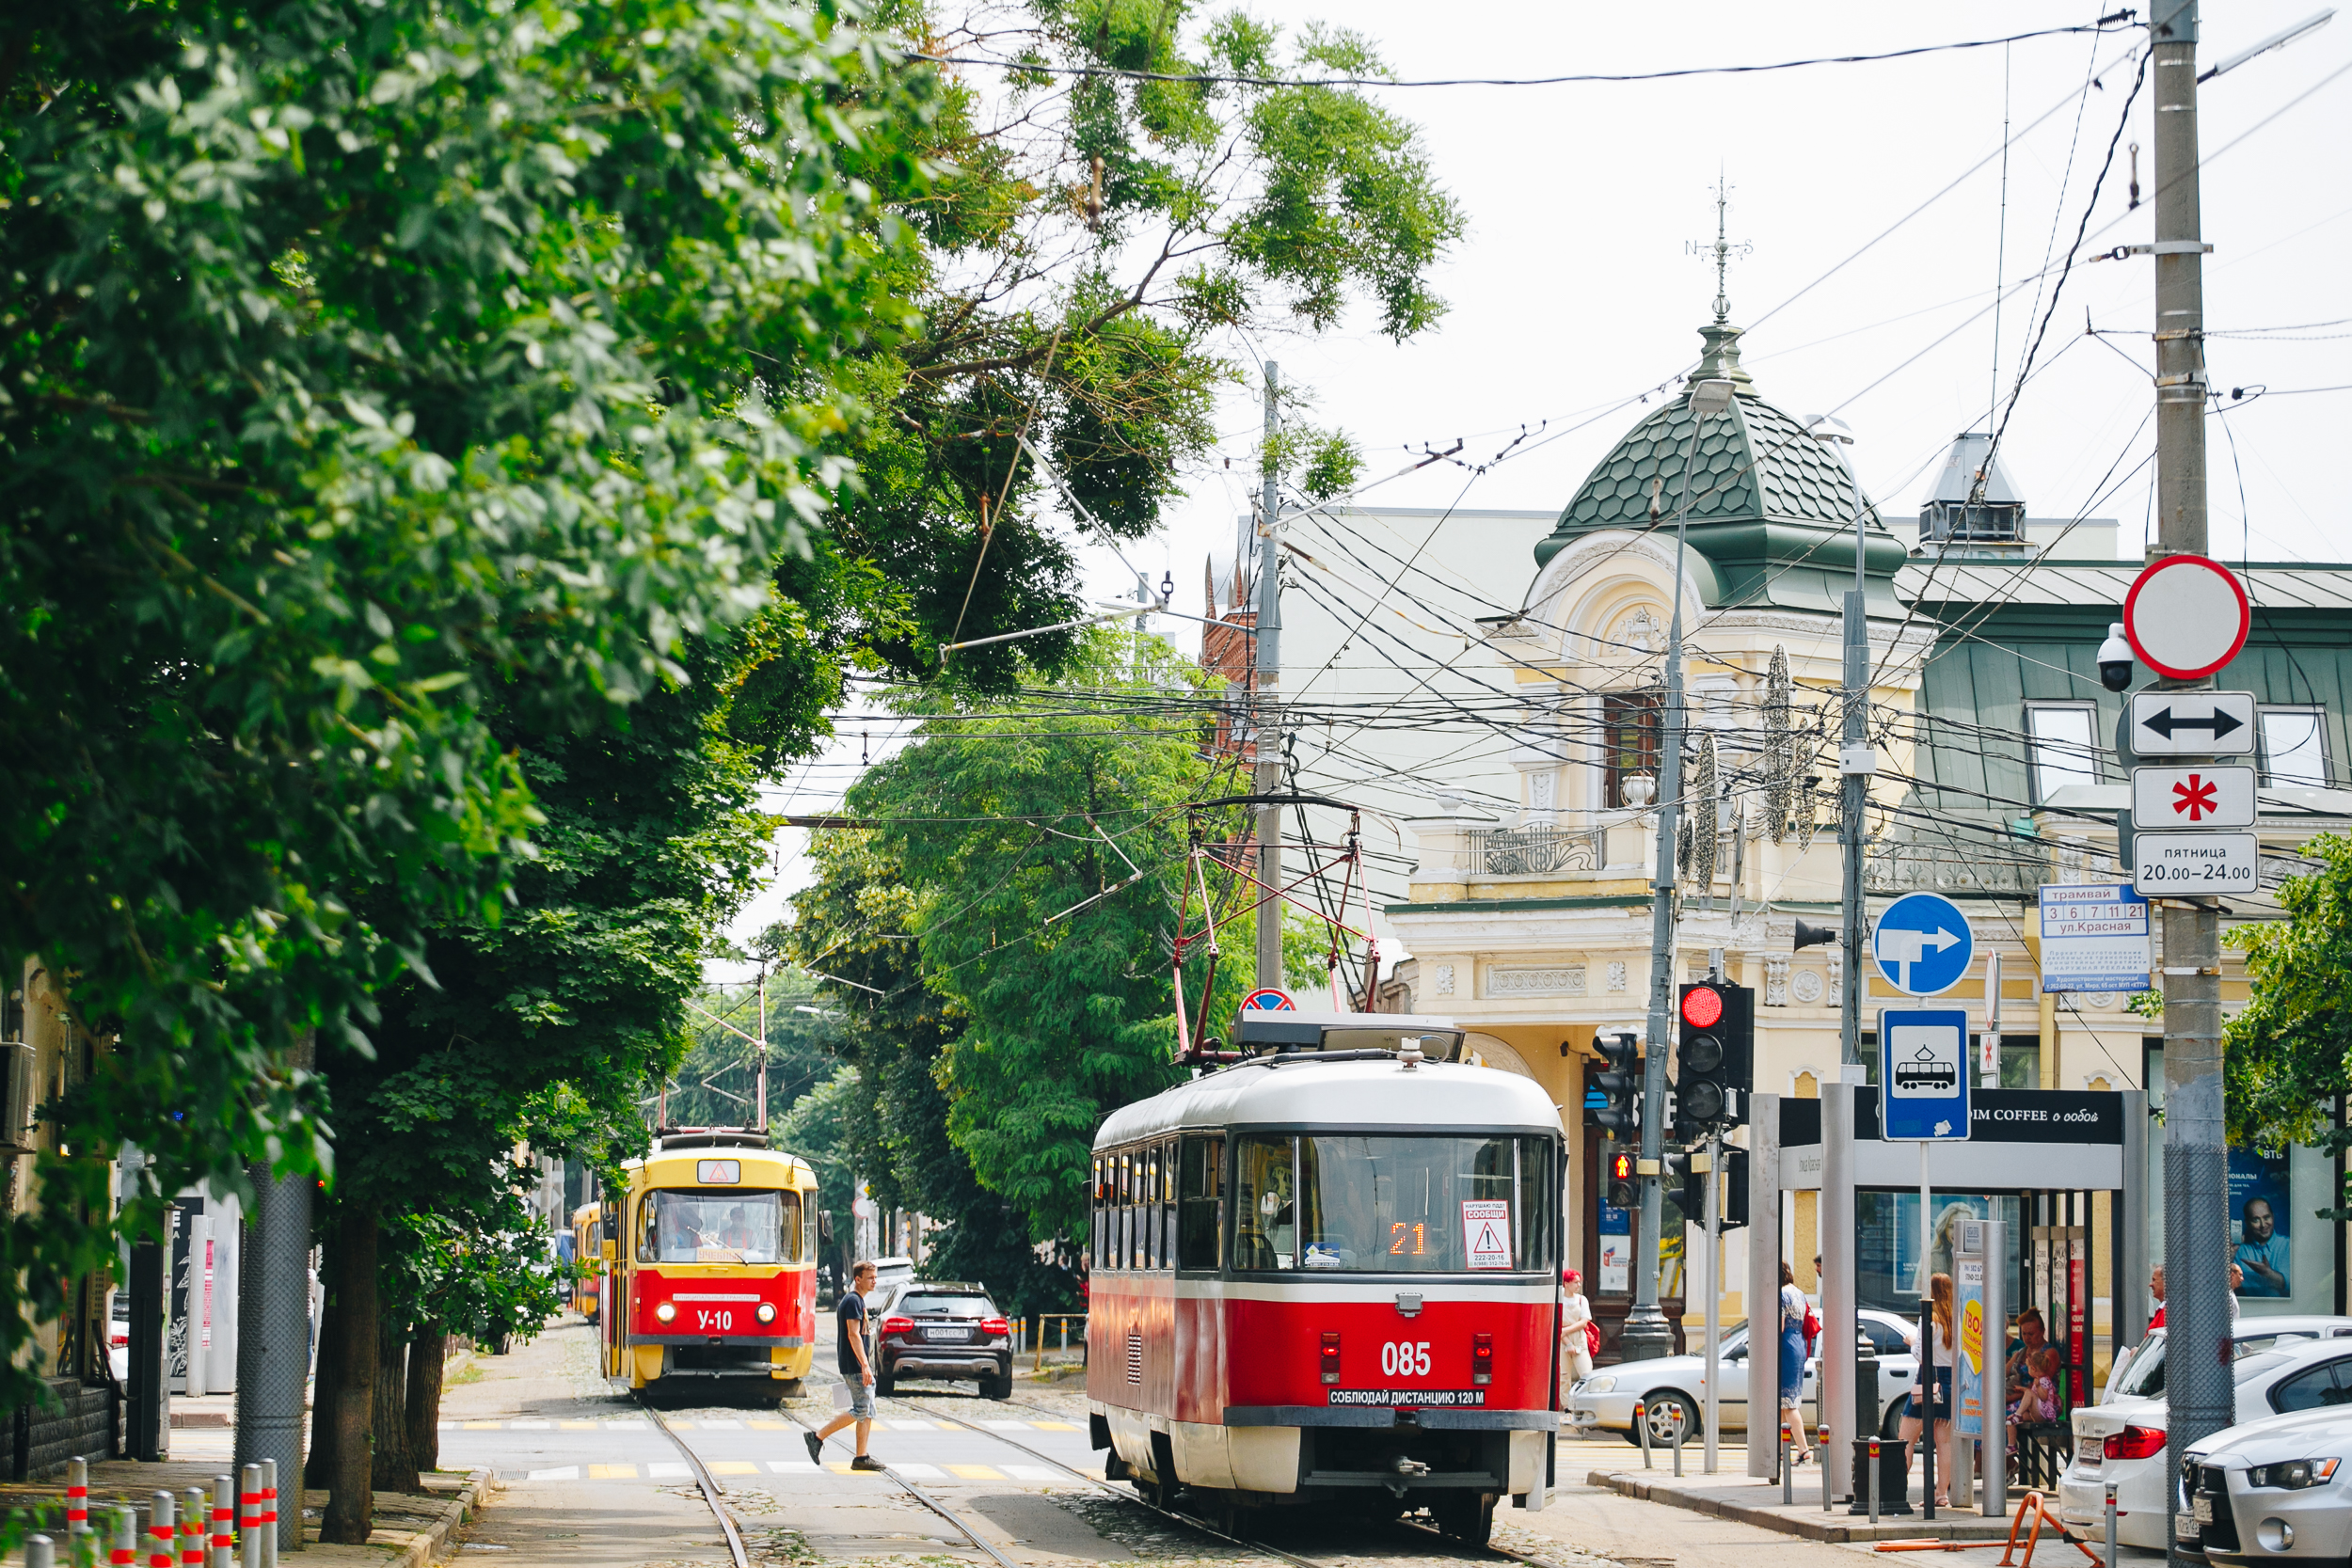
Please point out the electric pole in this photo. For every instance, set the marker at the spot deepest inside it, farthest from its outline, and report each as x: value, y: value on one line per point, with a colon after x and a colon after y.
x: 2196, y: 1208
x: 1646, y: 1334
x: 1268, y: 727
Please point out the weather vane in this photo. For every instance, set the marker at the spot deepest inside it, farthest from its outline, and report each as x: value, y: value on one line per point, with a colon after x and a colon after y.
x: 1722, y: 249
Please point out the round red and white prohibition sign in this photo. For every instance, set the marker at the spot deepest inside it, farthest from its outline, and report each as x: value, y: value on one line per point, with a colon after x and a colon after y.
x: 2187, y: 616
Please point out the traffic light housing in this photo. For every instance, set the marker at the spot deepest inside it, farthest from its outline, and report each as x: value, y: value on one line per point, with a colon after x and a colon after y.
x: 1714, y: 1054
x: 1619, y: 1082
x: 1621, y: 1194
x: 1732, y: 1163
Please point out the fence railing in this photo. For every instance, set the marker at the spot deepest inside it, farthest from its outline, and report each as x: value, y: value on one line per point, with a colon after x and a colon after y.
x: 1031, y: 1334
x: 1534, y: 850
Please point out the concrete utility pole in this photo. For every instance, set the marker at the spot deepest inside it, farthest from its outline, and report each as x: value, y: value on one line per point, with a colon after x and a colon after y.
x: 1269, y: 712
x: 2196, y: 1208
x: 1647, y: 1333
x: 1855, y: 765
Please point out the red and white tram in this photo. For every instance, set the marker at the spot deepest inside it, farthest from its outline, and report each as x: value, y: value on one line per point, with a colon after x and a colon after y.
x: 1330, y: 1272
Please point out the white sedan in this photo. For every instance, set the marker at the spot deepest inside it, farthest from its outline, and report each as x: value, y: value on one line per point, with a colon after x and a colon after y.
x: 1671, y: 1389
x: 2120, y: 1441
x: 2278, y: 1487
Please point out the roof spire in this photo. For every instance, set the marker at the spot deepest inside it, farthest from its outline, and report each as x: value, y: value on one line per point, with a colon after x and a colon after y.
x: 1722, y: 359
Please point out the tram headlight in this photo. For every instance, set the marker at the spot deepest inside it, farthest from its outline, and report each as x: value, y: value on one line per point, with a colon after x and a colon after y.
x: 767, y: 1312
x: 664, y: 1312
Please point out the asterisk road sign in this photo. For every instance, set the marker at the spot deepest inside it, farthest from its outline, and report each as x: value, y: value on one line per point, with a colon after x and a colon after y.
x: 2193, y: 797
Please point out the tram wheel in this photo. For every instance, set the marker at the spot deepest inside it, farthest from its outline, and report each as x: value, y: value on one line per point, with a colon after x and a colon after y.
x: 1152, y: 1492
x: 1467, y: 1516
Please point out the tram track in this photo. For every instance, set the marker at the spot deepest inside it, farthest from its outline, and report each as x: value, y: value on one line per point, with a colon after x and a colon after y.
x: 710, y: 1485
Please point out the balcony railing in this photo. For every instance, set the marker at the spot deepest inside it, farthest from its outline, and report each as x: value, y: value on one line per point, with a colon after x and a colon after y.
x: 2015, y: 871
x: 1532, y: 851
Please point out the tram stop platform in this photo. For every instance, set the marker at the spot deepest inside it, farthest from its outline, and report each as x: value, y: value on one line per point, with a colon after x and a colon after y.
x: 412, y: 1530
x: 1751, y: 1501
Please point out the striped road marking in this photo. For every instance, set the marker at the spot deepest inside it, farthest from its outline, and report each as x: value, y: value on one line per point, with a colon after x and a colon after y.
x: 662, y: 1471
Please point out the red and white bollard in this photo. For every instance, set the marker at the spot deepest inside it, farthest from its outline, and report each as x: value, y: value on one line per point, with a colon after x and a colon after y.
x: 269, y: 1511
x: 193, y: 1513
x: 224, y: 1522
x: 76, y: 1494
x: 162, y: 1533
x: 126, y: 1551
x: 249, y: 1517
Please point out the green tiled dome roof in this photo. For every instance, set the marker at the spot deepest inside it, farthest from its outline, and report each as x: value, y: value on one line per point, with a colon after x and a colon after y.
x: 1765, y: 495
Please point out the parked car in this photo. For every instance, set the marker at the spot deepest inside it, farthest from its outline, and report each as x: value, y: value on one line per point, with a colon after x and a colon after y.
x: 2121, y: 1440
x: 941, y: 1330
x: 1671, y: 1389
x: 2279, y: 1486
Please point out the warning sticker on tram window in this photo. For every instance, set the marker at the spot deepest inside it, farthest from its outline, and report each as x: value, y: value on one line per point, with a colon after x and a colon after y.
x: 1487, y: 1232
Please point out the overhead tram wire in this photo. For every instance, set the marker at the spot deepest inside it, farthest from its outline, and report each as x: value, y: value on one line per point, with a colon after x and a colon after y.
x: 2118, y: 22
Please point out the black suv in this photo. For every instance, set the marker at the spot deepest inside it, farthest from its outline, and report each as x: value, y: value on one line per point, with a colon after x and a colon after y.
x: 946, y: 1331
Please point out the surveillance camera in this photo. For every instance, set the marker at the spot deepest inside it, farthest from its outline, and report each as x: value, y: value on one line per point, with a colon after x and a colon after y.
x: 2114, y: 658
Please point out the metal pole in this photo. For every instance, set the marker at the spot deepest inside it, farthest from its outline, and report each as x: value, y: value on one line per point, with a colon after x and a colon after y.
x: 249, y: 1516
x: 1647, y: 1335
x: 1641, y: 1429
x: 40, y: 1552
x: 2196, y: 1210
x: 76, y: 1494
x: 1268, y: 727
x: 1874, y: 1481
x: 2111, y: 1556
x: 125, y: 1550
x: 1842, y: 1376
x: 762, y: 1091
x: 224, y: 1520
x: 1927, y: 1394
x: 1788, y: 1471
x: 1855, y: 763
x: 160, y: 1532
x: 1995, y: 1369
x: 1715, y: 1294
x: 194, y: 1510
x: 272, y: 1528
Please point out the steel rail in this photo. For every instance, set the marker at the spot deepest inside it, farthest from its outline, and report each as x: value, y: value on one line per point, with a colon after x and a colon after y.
x: 709, y: 1487
x: 934, y: 1505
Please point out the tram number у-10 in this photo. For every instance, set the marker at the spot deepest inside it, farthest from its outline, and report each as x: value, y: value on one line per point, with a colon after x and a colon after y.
x: 1405, y: 1358
x: 707, y: 1320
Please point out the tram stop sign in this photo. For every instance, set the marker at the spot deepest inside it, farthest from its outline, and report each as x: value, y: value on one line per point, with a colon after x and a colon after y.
x: 1923, y: 1074
x: 1923, y: 943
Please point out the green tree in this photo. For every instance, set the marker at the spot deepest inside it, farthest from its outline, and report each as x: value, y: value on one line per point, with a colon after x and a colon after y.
x: 1093, y: 252
x: 385, y: 390
x: 2288, y: 1056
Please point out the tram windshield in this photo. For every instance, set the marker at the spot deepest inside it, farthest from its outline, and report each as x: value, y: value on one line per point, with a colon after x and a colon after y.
x: 1393, y: 1205
x: 730, y: 1227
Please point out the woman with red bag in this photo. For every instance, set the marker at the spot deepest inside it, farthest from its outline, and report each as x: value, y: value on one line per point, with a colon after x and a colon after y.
x: 1579, y: 1337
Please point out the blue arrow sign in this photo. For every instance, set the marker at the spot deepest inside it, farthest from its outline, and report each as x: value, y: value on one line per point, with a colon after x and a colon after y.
x: 1923, y: 945
x: 1923, y: 1074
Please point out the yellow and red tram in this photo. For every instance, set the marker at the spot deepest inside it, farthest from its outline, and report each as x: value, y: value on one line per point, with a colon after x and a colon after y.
x: 588, y: 1252
x: 710, y: 1264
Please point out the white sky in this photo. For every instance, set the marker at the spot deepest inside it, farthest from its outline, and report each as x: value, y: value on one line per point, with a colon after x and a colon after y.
x: 1574, y: 288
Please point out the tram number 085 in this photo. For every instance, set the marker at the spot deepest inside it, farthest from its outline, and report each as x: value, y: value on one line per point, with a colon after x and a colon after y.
x: 1405, y: 1358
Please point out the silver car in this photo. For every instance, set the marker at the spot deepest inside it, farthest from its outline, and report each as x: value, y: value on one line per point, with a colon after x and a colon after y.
x: 1671, y: 1389
x: 2278, y: 1487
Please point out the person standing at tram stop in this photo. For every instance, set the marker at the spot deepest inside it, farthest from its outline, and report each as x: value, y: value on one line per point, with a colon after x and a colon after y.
x: 1914, y: 1417
x: 857, y: 1370
x: 1576, y: 1332
x: 1793, y: 1309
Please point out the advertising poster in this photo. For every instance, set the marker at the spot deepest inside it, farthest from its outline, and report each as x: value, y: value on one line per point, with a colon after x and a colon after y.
x: 1969, y: 1377
x: 2258, y: 1210
x: 1616, y: 1251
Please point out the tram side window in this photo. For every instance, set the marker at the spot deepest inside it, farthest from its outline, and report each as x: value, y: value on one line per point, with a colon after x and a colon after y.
x: 1126, y: 1211
x: 1265, y: 1226
x: 1199, y: 1188
x: 1094, y: 1216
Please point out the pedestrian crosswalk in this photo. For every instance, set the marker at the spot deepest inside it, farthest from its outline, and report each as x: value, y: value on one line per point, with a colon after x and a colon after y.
x: 641, y: 1424
x: 674, y: 1470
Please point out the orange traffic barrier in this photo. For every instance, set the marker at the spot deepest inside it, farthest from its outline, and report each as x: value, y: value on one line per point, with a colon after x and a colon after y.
x: 2033, y: 1500
x: 1921, y: 1546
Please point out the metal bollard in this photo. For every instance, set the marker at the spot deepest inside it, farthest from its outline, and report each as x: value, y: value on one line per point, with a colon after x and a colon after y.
x: 249, y: 1517
x: 1788, y: 1471
x: 1822, y: 1464
x: 76, y: 1493
x: 2110, y: 1525
x: 40, y: 1552
x: 1677, y: 1450
x: 162, y: 1532
x: 192, y: 1515
x: 126, y: 1551
x: 1641, y: 1428
x: 269, y: 1511
x: 224, y: 1521
x: 1874, y: 1483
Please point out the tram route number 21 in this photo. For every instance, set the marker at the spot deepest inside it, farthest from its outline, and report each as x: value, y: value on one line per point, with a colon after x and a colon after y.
x: 1405, y: 1358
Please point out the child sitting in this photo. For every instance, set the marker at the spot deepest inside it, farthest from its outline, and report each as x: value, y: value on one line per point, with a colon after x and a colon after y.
x: 2037, y: 1402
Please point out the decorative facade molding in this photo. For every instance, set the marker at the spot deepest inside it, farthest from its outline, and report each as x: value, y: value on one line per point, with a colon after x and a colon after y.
x: 1775, y: 982
x: 1552, y: 980
x: 1805, y: 985
x: 1445, y: 981
x: 1616, y: 974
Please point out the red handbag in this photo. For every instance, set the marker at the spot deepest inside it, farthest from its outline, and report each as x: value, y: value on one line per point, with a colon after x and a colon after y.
x: 1592, y: 1338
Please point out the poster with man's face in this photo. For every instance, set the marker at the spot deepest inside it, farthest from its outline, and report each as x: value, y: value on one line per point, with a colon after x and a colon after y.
x: 2258, y: 1224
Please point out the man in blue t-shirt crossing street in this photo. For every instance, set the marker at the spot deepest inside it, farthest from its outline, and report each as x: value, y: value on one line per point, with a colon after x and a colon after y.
x: 857, y: 1370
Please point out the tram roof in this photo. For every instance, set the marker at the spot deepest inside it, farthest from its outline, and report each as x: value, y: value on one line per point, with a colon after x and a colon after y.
x: 1307, y: 1090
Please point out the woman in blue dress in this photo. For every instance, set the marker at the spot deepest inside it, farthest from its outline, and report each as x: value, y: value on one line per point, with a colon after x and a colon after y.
x: 1792, y: 1348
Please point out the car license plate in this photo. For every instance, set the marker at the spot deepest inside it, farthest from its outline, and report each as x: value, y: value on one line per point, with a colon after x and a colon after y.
x: 954, y: 1335
x: 2091, y: 1451
x: 2203, y: 1510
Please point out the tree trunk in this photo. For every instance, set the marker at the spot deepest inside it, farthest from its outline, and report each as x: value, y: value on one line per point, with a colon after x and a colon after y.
x: 351, y: 1493
x: 318, y: 1470
x: 394, y: 1470
x: 427, y: 1354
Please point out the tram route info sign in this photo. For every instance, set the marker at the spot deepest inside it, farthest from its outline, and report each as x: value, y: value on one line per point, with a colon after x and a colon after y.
x: 1487, y: 1232
x: 1969, y: 1377
x: 1923, y: 1059
x: 2164, y: 799
x: 1923, y: 943
x: 2193, y: 864
x: 2094, y: 936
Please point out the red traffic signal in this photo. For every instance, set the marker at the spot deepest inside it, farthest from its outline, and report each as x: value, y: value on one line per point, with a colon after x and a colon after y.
x: 1621, y: 1168
x: 1702, y: 1006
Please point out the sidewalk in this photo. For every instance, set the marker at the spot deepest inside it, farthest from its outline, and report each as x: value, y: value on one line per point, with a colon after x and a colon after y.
x: 1751, y: 1501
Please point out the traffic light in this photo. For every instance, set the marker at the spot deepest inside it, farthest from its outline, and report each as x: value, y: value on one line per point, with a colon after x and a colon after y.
x: 1621, y: 1194
x: 1732, y: 1197
x: 1620, y: 1084
x: 1735, y: 1199
x: 1689, y: 1183
x: 1715, y: 1054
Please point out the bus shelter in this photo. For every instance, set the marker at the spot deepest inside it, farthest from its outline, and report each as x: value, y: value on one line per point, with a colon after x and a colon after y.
x: 2067, y: 1171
